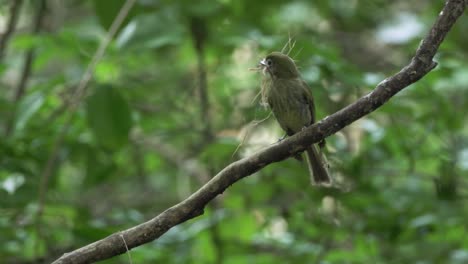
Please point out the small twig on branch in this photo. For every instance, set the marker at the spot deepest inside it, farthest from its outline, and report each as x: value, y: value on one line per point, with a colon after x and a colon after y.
x: 193, y: 206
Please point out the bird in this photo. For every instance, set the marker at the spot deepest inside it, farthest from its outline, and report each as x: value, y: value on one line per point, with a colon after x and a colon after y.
x: 290, y: 99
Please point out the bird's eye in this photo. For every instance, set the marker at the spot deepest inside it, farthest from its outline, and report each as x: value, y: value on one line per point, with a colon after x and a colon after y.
x: 269, y: 62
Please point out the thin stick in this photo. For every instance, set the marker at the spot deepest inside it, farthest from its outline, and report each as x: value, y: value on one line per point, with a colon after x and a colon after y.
x: 250, y: 126
x: 128, y: 251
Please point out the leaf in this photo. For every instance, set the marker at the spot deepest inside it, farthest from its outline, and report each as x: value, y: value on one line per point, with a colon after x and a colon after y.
x: 109, y: 117
x: 28, y: 106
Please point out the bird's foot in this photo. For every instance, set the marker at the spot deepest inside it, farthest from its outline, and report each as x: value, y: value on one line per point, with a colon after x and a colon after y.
x: 281, y: 138
x: 322, y: 143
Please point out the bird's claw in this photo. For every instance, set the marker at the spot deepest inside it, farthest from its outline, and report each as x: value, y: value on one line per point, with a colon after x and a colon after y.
x: 281, y: 138
x: 322, y: 143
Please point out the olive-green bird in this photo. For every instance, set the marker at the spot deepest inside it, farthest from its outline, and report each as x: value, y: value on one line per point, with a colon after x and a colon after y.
x: 291, y: 101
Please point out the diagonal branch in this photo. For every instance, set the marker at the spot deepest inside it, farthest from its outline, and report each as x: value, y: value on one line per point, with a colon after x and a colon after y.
x: 193, y: 206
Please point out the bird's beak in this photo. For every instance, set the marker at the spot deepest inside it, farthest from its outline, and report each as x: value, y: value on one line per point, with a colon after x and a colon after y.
x: 264, y: 66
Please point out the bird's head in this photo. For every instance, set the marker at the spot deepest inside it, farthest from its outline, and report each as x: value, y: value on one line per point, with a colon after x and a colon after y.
x: 279, y: 65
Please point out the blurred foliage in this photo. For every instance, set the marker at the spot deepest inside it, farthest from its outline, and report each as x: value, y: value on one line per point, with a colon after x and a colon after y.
x: 145, y: 137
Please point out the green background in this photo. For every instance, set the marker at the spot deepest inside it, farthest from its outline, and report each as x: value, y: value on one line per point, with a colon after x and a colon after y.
x: 145, y: 136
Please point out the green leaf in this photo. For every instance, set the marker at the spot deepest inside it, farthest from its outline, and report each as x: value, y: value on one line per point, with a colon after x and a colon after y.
x: 28, y: 106
x: 109, y: 117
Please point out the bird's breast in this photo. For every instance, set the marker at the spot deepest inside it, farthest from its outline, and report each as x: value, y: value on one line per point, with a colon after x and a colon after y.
x: 288, y: 105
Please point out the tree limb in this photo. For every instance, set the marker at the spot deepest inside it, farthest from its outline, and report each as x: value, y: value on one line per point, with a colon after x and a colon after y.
x: 193, y: 206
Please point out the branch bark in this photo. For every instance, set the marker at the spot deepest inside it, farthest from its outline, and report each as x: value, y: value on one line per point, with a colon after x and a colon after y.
x: 193, y: 206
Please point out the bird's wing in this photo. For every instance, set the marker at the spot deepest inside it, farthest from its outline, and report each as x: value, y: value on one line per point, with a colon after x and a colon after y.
x: 309, y: 100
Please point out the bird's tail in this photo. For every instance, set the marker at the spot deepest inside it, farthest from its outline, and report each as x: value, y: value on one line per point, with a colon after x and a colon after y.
x: 317, y: 167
